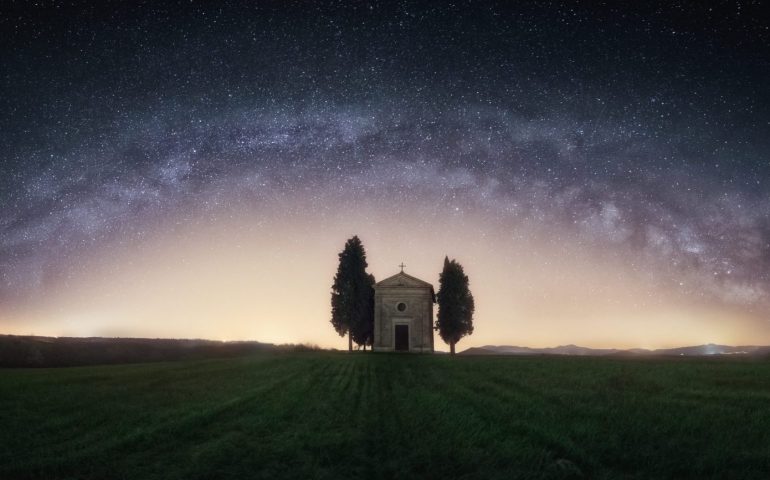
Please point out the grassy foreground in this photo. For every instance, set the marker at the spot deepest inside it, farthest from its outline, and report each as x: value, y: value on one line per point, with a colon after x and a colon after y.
x: 370, y: 416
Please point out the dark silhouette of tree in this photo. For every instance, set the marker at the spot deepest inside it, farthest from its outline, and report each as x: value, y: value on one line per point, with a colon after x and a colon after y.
x: 353, y: 295
x: 363, y: 329
x: 455, y: 304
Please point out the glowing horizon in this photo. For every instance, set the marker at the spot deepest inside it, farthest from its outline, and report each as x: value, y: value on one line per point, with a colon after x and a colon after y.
x: 224, y: 277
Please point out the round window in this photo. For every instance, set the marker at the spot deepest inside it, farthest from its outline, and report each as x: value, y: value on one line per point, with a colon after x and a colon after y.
x: 401, y: 307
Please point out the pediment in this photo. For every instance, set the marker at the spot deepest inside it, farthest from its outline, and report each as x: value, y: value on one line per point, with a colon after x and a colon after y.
x: 401, y: 279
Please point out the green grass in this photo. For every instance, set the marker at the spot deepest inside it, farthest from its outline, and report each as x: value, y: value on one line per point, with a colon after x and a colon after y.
x: 326, y: 415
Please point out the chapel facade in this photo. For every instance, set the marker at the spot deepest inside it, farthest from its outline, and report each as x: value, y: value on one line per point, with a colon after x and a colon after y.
x: 403, y: 314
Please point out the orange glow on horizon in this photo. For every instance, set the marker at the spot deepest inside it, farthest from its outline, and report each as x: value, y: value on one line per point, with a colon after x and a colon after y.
x: 269, y: 280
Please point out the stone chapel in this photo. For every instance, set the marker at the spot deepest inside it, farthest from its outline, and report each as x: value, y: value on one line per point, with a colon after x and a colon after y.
x: 403, y: 314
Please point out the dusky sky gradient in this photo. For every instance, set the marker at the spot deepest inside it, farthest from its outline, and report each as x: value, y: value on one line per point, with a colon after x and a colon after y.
x: 192, y: 170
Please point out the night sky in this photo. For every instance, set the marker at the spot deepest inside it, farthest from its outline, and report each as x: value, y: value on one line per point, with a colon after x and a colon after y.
x: 192, y: 170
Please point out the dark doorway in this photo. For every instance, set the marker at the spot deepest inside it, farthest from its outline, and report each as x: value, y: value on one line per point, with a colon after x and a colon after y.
x: 402, y: 338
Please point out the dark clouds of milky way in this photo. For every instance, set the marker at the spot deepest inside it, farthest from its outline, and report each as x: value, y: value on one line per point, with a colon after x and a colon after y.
x: 640, y: 131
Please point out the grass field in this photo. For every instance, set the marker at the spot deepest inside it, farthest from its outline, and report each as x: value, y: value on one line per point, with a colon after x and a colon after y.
x: 371, y: 416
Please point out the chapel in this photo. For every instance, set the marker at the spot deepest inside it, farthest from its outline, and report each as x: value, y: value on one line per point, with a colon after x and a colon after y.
x: 403, y: 314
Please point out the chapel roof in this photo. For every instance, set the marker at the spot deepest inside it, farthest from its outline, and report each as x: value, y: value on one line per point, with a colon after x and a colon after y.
x: 402, y: 279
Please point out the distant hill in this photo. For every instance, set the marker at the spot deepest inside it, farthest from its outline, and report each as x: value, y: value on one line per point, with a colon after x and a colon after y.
x: 34, y: 351
x: 697, y: 350
x: 514, y: 350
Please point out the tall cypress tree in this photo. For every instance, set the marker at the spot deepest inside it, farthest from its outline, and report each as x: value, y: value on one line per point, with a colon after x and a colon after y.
x: 363, y: 329
x: 352, y: 295
x: 455, y: 304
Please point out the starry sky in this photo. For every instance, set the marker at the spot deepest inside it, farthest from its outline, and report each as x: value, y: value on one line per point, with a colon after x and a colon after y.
x: 192, y: 170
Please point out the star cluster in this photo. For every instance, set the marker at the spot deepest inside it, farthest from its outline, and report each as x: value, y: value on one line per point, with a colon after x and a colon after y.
x: 637, y: 133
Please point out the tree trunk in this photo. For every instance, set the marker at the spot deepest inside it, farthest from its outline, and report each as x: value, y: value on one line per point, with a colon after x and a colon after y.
x: 350, y: 343
x: 452, y: 348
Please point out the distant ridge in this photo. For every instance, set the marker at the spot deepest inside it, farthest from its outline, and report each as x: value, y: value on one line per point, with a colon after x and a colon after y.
x: 34, y: 351
x: 575, y: 350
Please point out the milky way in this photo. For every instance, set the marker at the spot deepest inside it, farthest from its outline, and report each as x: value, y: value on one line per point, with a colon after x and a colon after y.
x: 640, y: 133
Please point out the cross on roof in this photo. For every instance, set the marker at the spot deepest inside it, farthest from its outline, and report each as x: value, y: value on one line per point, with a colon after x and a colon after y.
x: 402, y: 267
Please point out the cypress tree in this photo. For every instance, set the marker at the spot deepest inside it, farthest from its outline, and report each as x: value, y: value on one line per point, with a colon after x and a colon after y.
x: 353, y: 295
x: 363, y: 328
x: 455, y: 304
